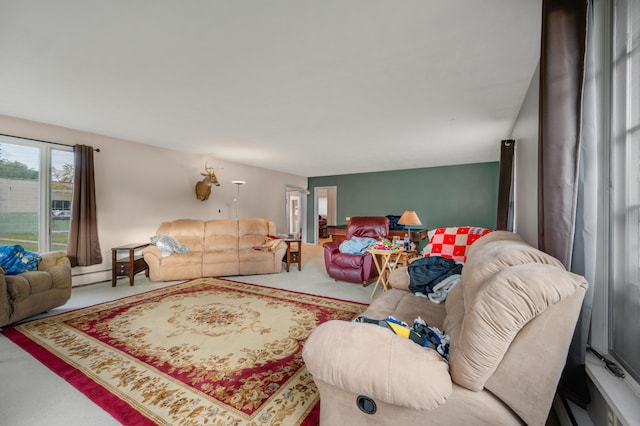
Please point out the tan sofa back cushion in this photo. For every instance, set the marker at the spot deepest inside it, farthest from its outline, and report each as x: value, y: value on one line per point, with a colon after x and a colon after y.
x: 187, y: 231
x: 221, y: 235
x: 252, y: 232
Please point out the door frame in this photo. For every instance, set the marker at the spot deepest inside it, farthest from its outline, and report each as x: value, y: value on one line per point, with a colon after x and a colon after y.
x: 304, y: 192
x: 316, y: 226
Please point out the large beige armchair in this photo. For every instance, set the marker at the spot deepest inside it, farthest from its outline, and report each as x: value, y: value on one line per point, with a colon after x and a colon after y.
x: 510, y: 320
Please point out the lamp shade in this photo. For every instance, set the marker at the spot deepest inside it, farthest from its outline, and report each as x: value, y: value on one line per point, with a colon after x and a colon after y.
x: 409, y: 217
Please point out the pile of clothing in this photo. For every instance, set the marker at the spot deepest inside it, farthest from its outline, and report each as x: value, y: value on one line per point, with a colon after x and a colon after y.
x: 434, y: 277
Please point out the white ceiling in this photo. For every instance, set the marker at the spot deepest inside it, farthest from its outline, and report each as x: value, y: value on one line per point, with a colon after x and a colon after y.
x: 311, y: 88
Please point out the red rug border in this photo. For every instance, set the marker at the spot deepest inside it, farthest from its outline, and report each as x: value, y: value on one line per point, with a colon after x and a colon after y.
x: 102, y: 397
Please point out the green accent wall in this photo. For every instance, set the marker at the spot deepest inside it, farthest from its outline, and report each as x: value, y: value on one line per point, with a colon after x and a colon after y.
x: 458, y: 195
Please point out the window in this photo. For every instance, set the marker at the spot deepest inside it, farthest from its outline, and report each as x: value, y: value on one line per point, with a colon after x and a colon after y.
x: 36, y: 185
x: 624, y: 287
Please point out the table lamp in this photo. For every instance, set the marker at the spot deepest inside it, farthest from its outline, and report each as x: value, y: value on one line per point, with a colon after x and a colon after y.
x: 409, y: 218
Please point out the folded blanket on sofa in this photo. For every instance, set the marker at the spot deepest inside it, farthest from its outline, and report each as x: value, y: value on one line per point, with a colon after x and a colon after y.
x: 14, y: 259
x: 168, y: 245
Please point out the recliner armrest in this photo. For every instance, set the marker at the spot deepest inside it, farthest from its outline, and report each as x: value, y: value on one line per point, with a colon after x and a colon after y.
x: 52, y: 258
x: 366, y: 359
x: 332, y: 246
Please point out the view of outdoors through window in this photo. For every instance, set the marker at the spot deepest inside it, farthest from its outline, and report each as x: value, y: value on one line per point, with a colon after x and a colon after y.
x: 36, y: 185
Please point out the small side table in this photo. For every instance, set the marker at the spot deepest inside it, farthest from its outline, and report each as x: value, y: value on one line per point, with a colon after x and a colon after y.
x: 388, y: 262
x: 128, y: 265
x: 293, y: 254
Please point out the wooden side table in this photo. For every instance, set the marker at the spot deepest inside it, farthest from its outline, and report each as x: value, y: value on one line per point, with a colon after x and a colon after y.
x: 129, y: 265
x: 293, y: 254
x: 387, y: 262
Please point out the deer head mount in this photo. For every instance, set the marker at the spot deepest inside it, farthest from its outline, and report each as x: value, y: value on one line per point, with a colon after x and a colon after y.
x: 203, y: 187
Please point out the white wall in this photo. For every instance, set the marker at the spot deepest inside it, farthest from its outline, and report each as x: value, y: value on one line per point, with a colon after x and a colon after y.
x: 139, y: 186
x: 525, y: 133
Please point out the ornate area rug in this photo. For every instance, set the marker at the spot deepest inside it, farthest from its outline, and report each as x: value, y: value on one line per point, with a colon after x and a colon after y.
x: 208, y: 351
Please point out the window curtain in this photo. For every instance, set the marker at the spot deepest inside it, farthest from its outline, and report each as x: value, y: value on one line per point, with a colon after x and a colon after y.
x: 83, y: 248
x: 504, y: 221
x: 568, y: 164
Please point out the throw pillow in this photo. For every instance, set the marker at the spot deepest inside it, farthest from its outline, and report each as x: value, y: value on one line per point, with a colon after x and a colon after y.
x: 452, y: 242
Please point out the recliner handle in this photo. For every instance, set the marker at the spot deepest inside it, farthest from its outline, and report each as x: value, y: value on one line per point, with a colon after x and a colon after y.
x: 366, y: 404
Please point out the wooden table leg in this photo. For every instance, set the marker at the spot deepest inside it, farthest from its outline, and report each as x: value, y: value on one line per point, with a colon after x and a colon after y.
x: 375, y: 262
x: 113, y: 268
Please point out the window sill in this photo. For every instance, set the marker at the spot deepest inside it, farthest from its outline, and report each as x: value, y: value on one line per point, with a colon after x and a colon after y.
x: 618, y: 393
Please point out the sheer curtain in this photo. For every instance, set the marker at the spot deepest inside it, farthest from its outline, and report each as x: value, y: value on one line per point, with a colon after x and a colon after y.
x: 84, y: 247
x: 568, y: 163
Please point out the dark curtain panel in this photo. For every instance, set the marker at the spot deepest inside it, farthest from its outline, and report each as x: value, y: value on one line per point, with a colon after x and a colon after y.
x: 84, y: 247
x: 504, y: 221
x: 562, y: 69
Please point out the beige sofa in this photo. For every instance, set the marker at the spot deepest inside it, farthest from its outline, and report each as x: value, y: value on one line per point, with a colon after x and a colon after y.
x: 216, y: 248
x: 510, y: 319
x: 34, y: 292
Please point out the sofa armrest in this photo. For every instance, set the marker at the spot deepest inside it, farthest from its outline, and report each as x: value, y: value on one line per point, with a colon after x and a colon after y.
x: 151, y: 252
x: 399, y: 278
x: 52, y: 258
x: 366, y: 359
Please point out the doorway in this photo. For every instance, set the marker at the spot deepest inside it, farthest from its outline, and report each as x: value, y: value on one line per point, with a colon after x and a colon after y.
x: 325, y: 210
x: 295, y: 210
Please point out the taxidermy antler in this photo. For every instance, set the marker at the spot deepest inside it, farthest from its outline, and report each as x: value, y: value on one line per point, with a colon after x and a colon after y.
x: 203, y: 187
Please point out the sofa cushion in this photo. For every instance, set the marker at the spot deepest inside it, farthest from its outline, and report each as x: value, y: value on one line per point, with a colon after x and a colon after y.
x: 18, y: 287
x: 406, y: 306
x: 187, y: 231
x: 346, y: 260
x: 39, y: 281
x: 252, y: 231
x: 221, y: 235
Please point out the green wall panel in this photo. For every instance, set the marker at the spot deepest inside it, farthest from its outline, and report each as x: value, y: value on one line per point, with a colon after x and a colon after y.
x: 464, y: 194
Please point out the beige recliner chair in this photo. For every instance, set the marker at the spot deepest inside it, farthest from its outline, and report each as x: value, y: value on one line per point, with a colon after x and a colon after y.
x: 510, y: 320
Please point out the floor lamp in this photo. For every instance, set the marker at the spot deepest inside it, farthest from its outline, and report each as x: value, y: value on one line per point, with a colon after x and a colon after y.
x: 236, y: 200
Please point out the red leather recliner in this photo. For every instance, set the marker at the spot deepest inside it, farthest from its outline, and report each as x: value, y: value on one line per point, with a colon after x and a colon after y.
x: 355, y: 268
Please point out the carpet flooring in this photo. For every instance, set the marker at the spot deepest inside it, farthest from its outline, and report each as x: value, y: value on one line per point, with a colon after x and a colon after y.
x: 207, y: 351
